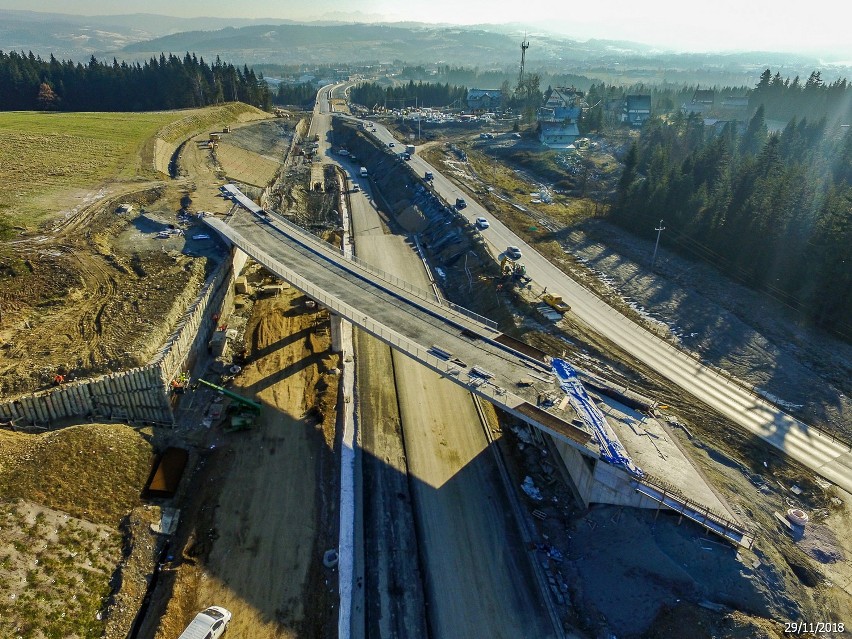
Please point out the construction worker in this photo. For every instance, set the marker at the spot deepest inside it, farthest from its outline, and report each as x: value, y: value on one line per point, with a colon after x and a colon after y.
x: 58, y: 379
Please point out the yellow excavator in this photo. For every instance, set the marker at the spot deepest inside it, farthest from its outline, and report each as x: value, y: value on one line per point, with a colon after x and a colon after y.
x: 510, y: 269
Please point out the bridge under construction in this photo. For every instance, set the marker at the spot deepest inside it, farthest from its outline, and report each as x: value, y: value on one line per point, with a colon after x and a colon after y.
x: 468, y: 350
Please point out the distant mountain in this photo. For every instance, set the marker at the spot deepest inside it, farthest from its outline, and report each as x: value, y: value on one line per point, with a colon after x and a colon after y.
x: 138, y: 37
x: 314, y: 44
x: 77, y: 37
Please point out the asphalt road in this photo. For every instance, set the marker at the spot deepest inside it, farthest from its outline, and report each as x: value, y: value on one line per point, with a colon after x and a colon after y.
x: 478, y: 579
x: 806, y: 444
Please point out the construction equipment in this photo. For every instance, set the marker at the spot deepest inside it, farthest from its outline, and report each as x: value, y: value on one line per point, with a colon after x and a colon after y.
x: 512, y: 270
x: 556, y: 302
x: 244, y: 414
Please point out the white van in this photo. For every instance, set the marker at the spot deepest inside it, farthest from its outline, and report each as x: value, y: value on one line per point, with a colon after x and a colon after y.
x: 208, y: 624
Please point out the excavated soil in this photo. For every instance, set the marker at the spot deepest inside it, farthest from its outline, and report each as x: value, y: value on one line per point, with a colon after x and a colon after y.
x: 86, y: 301
x: 262, y: 502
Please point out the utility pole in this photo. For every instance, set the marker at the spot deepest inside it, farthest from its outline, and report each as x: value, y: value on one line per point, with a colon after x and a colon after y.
x: 659, y: 231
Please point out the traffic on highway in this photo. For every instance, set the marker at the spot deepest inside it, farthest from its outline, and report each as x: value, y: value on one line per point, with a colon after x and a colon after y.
x: 816, y: 450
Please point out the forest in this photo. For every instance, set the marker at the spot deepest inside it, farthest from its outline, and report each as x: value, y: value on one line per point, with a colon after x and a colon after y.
x: 771, y: 210
x: 29, y: 83
x: 302, y: 94
x: 424, y: 94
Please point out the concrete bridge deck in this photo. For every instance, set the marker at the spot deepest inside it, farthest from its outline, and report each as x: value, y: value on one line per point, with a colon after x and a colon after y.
x: 446, y: 339
x: 459, y: 345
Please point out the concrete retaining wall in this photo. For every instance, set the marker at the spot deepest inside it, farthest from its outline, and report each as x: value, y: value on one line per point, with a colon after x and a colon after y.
x: 135, y: 395
x: 140, y: 394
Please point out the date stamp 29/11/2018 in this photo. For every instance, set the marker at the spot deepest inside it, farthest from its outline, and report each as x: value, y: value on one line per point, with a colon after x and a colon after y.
x: 814, y: 627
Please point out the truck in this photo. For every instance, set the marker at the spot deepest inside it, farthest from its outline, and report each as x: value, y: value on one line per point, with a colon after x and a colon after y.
x: 363, y: 172
x: 556, y: 303
x: 409, y: 148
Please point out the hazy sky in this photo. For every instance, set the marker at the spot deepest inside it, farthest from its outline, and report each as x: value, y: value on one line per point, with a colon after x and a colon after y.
x: 779, y: 25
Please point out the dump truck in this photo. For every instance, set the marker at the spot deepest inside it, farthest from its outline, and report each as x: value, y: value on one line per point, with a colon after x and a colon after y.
x: 556, y: 303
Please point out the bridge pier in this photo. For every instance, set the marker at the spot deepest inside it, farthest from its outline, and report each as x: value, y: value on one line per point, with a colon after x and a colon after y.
x: 336, y: 332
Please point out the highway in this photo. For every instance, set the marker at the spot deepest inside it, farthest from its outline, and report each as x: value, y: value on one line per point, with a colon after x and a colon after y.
x: 435, y: 512
x: 807, y: 445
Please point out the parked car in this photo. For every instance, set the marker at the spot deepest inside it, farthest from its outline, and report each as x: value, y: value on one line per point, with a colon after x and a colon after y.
x: 482, y: 223
x: 208, y: 624
x: 514, y: 252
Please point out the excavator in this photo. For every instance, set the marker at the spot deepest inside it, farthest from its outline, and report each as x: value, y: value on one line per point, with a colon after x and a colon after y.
x: 244, y: 414
x: 512, y: 270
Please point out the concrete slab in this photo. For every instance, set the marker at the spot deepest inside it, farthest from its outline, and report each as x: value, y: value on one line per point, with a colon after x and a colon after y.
x: 653, y: 448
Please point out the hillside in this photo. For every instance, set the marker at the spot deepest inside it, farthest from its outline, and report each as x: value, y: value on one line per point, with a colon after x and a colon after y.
x: 138, y: 37
x: 62, y: 497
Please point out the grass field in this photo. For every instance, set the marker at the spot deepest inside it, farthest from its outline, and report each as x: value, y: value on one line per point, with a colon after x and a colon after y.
x: 62, y: 495
x: 49, y: 159
x: 43, y: 154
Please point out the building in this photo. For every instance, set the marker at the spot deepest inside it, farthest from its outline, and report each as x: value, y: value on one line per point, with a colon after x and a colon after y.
x: 563, y: 103
x: 484, y: 99
x: 637, y: 109
x: 735, y: 106
x: 716, y: 126
x: 558, y: 135
x: 702, y: 102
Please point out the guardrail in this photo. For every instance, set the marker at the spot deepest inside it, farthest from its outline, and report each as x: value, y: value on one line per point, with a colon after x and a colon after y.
x: 696, y: 511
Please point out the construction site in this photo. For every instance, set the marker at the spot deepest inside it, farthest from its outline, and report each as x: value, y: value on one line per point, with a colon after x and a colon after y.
x: 524, y: 478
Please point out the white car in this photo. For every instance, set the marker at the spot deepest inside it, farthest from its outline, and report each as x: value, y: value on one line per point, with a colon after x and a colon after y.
x: 208, y: 624
x: 514, y: 252
x: 482, y: 223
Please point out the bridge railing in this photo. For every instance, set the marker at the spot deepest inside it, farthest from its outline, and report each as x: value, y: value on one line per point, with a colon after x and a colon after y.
x: 696, y: 510
x: 465, y: 376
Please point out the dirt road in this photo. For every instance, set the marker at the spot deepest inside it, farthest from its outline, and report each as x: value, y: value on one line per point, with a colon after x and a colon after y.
x: 271, y: 507
x: 268, y: 517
